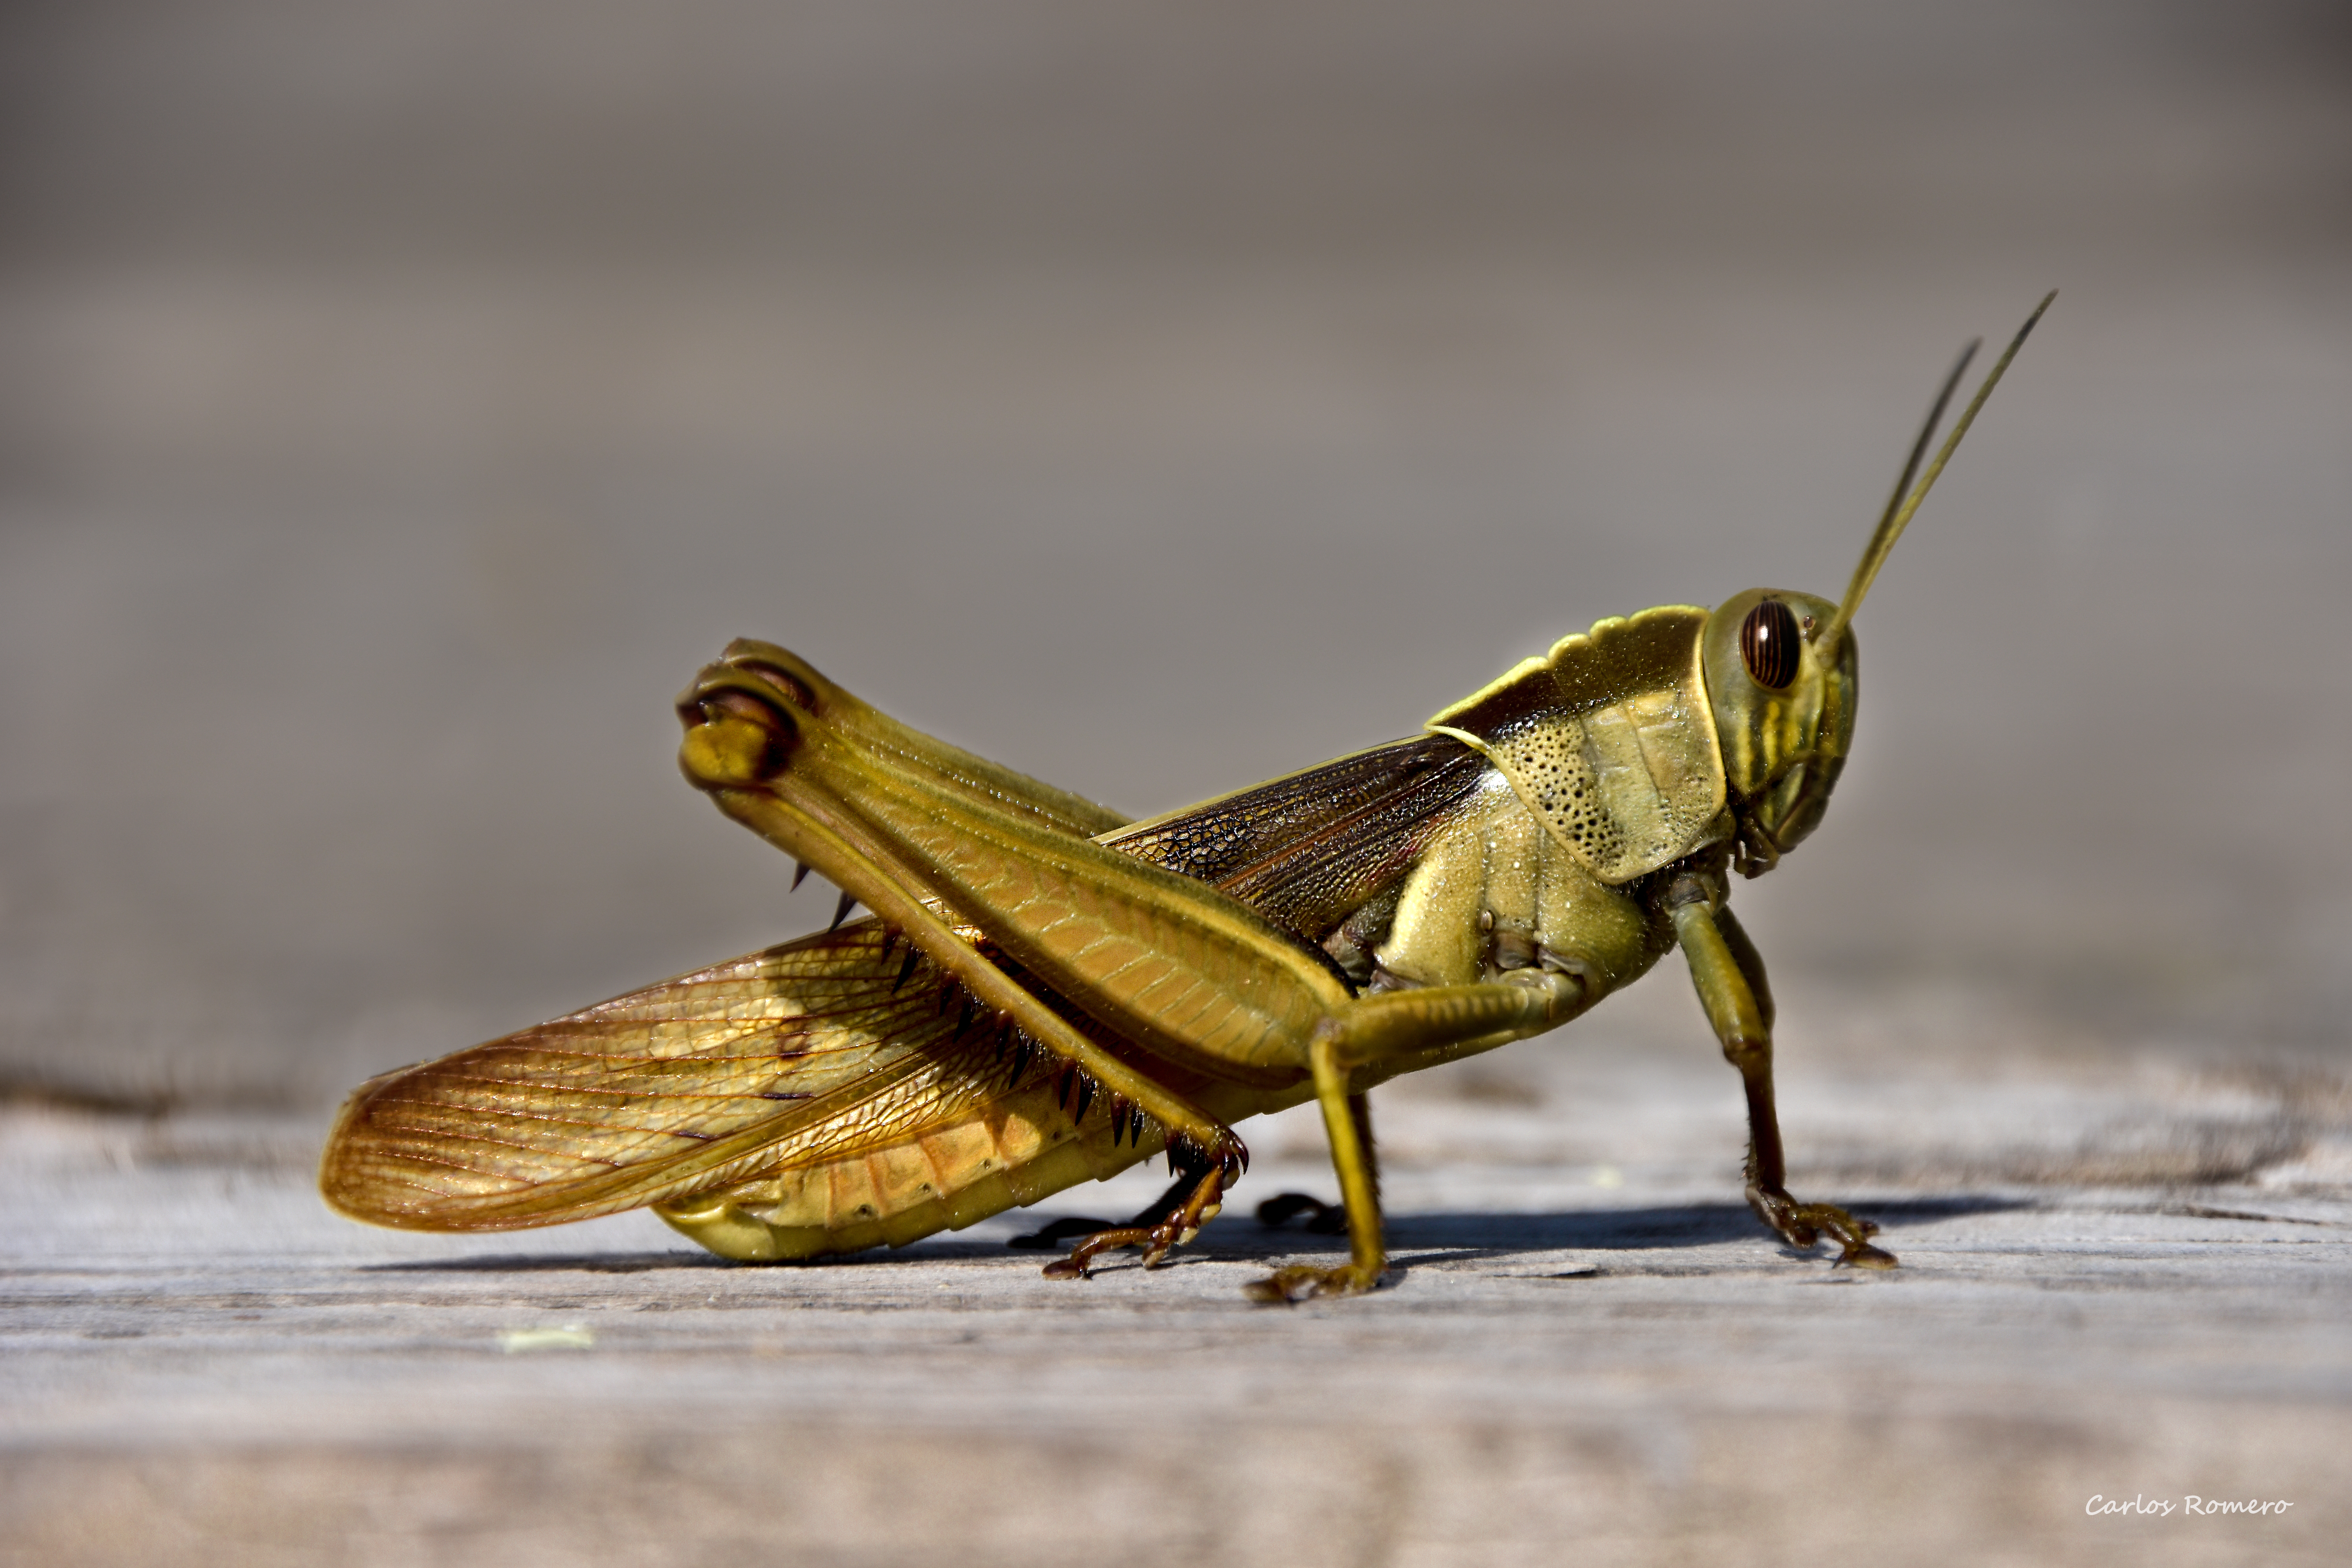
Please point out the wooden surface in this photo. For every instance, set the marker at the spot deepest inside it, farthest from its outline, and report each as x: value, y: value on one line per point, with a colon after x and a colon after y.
x: 2123, y: 1277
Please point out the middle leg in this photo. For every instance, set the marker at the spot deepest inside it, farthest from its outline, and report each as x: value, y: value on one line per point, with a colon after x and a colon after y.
x: 1392, y: 1024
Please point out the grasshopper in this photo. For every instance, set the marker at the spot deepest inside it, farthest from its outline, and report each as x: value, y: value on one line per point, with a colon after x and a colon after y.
x: 1046, y: 993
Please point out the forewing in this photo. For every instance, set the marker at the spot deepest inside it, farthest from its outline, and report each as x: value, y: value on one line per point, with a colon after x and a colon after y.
x: 674, y: 1088
x: 1308, y: 849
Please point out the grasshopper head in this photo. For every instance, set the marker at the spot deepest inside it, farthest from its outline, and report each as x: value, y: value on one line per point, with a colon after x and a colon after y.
x: 1783, y: 714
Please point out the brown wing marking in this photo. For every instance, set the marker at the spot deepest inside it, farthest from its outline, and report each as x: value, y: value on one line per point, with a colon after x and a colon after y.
x: 1308, y: 849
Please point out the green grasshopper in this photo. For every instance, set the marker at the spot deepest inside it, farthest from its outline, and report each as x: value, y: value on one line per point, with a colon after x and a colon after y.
x: 1046, y: 993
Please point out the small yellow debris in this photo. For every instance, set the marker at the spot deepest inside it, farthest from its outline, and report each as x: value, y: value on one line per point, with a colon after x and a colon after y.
x: 1607, y: 1176
x: 564, y: 1337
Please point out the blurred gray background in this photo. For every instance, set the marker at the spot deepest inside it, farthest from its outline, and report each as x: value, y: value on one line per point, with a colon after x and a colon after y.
x: 398, y: 404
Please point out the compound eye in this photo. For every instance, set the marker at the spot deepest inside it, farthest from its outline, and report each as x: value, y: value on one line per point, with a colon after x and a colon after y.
x: 1769, y: 642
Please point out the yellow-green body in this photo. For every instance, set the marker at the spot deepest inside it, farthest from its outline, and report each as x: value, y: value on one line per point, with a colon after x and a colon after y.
x: 1594, y: 775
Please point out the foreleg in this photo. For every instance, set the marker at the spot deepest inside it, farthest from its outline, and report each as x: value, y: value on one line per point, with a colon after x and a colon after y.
x: 1730, y: 976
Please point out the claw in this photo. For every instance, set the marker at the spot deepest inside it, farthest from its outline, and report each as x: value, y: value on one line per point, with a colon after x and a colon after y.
x: 1172, y: 1229
x: 1803, y: 1226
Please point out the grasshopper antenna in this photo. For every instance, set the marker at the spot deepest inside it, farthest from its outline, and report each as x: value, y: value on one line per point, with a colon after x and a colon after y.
x: 1906, y: 499
x: 1919, y: 451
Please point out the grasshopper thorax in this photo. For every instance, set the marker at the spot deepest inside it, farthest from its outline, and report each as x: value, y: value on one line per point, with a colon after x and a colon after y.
x: 1783, y: 714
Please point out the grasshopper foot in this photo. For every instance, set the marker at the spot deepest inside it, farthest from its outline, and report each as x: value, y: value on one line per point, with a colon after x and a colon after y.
x: 1303, y: 1282
x: 1078, y: 1265
x: 1803, y: 1226
x: 1174, y: 1228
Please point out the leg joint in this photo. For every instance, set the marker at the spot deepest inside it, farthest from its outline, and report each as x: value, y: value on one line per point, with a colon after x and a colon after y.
x: 1745, y: 1051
